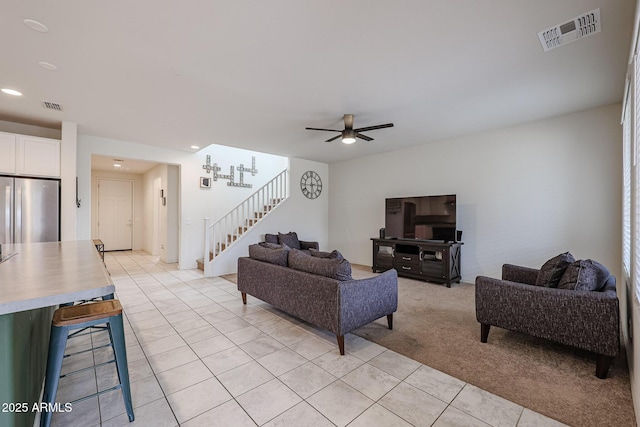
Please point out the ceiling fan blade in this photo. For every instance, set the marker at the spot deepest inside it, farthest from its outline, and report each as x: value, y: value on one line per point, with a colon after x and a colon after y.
x: 334, y: 138
x: 348, y: 121
x: 328, y: 130
x: 365, y: 137
x: 388, y: 125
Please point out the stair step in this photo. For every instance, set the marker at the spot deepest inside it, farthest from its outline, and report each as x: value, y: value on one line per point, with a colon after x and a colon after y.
x: 249, y: 222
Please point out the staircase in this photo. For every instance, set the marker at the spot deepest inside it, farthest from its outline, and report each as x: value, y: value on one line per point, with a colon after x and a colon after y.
x: 225, y: 232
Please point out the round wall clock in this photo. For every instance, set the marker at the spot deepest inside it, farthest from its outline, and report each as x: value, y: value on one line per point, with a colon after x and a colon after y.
x: 311, y: 184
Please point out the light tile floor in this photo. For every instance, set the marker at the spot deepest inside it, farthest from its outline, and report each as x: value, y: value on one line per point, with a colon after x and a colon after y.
x: 199, y: 357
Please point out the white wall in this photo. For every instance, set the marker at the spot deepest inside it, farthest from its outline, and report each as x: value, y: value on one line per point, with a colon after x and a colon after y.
x: 150, y: 202
x: 168, y: 234
x: 23, y: 129
x: 172, y: 250
x: 68, y: 208
x: 195, y: 203
x: 524, y: 193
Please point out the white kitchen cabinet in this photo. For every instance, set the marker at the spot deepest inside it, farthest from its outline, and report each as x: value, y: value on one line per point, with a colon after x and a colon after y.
x: 38, y: 156
x: 7, y: 153
x: 29, y: 155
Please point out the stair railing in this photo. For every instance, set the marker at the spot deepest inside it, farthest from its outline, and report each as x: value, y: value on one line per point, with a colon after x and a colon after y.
x: 223, y: 233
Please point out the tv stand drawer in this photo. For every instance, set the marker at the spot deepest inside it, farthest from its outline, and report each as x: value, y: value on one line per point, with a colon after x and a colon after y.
x: 406, y: 258
x: 407, y: 268
x: 406, y: 262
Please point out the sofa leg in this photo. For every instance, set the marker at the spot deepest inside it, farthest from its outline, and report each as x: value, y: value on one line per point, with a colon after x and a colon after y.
x: 602, y: 366
x: 390, y: 320
x: 341, y: 344
x: 244, y: 297
x: 484, y: 332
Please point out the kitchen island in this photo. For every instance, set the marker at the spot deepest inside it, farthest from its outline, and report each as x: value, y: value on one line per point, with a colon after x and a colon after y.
x: 34, y: 279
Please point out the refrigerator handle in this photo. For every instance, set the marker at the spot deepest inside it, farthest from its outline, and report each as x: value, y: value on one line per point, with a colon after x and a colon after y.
x: 18, y: 230
x: 7, y: 215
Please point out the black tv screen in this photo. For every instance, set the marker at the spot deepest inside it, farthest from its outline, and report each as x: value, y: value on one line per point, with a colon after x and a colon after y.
x: 423, y: 217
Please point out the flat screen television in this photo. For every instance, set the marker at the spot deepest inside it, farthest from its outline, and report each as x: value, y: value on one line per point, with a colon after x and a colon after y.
x: 423, y: 217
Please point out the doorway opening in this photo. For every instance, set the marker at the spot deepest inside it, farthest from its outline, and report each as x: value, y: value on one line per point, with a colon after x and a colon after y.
x: 154, y: 212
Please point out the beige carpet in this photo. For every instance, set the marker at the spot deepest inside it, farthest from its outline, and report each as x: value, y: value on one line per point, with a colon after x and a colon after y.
x: 436, y: 325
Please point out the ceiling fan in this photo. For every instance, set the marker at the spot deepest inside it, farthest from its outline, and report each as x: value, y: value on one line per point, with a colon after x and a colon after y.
x: 349, y: 134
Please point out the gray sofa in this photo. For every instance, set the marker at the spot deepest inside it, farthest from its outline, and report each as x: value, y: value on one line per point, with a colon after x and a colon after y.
x: 324, y: 295
x: 586, y: 319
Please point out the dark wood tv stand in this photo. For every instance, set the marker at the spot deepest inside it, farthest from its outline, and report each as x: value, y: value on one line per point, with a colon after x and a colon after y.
x: 429, y: 260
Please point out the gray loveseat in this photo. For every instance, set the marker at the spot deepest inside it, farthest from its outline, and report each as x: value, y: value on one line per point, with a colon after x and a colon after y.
x: 584, y: 318
x: 323, y: 295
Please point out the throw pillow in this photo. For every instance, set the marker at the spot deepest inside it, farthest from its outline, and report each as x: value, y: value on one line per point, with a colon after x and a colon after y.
x: 580, y: 276
x: 271, y: 238
x: 276, y: 256
x: 603, y: 275
x: 328, y: 267
x: 552, y: 270
x: 320, y: 254
x: 290, y: 239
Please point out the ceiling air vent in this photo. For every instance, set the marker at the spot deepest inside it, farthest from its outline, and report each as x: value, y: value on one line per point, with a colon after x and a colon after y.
x: 570, y: 31
x: 52, y: 105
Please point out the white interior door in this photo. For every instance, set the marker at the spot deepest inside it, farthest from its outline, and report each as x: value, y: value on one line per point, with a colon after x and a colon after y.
x: 115, y: 214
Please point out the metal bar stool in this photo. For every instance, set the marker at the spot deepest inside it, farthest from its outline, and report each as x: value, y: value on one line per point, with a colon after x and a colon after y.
x: 66, y: 319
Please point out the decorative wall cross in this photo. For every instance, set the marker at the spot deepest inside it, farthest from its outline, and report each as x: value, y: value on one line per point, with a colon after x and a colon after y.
x: 242, y: 170
x: 209, y: 167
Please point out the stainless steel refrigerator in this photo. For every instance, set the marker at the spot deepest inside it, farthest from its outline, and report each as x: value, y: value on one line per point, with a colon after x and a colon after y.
x: 29, y: 210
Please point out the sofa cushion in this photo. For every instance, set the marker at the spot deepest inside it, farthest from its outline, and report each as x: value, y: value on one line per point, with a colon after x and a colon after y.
x: 320, y: 254
x: 552, y: 270
x: 271, y: 238
x: 334, y: 268
x: 274, y: 255
x: 584, y: 275
x: 290, y: 239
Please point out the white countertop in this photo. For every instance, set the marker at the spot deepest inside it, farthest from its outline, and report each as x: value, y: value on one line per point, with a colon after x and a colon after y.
x: 46, y: 274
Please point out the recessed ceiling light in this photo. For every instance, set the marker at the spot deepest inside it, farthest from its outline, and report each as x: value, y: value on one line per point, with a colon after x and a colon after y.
x: 11, y: 92
x: 35, y: 25
x: 47, y: 66
x: 117, y: 165
x: 195, y: 147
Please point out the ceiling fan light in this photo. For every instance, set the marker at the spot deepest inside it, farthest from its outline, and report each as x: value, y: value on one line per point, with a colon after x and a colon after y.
x: 348, y: 136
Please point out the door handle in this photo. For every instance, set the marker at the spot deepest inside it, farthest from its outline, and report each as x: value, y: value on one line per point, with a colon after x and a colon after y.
x: 7, y: 215
x: 18, y: 230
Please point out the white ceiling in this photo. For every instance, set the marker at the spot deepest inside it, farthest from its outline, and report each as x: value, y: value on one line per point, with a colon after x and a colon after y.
x: 106, y: 163
x: 254, y: 74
